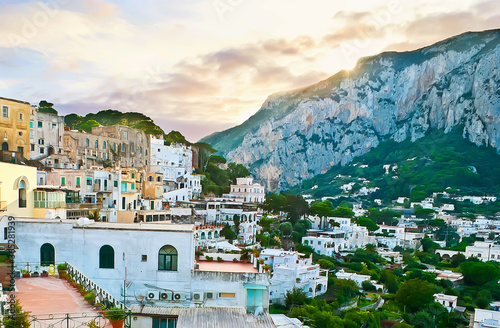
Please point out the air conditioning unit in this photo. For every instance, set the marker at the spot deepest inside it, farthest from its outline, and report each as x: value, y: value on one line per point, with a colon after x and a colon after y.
x: 152, y: 295
x: 211, y: 295
x: 178, y: 296
x: 165, y: 296
x: 197, y: 297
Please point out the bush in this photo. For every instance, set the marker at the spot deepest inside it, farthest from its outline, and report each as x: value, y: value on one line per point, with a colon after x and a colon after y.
x: 368, y: 286
x: 209, y: 258
x: 19, y: 319
x: 115, y: 313
x: 295, y: 297
x: 62, y: 266
x: 219, y: 259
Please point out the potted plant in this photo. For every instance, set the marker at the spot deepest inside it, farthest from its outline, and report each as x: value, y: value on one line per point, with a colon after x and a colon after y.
x: 209, y: 258
x: 44, y: 274
x: 61, y: 270
x: 35, y: 274
x: 116, y: 316
x: 245, y: 255
x: 90, y: 297
x: 25, y: 273
x: 219, y: 259
x: 197, y: 254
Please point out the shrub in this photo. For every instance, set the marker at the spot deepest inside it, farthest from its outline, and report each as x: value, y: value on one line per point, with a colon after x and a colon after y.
x: 209, y: 258
x: 219, y: 259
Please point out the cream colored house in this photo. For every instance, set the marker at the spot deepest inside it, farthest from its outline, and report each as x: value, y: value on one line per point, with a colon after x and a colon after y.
x: 17, y: 183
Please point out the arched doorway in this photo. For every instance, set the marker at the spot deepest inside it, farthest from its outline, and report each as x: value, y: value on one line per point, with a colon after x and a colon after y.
x: 22, y: 194
x: 47, y: 255
x: 5, y: 146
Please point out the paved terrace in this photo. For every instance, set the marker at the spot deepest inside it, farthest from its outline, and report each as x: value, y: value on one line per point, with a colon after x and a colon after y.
x: 49, y: 295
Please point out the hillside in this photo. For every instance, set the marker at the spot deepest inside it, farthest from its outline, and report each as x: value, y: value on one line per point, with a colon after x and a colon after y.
x: 430, y: 164
x: 393, y: 96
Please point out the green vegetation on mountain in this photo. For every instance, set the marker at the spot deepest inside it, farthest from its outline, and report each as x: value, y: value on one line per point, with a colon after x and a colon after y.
x: 433, y: 163
x: 114, y: 117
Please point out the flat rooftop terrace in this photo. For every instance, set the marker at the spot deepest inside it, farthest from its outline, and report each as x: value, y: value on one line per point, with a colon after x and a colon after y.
x: 44, y: 296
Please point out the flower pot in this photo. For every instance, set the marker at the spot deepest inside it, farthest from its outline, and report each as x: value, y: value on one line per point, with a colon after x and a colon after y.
x: 26, y: 275
x: 62, y: 273
x: 117, y: 323
x: 44, y: 274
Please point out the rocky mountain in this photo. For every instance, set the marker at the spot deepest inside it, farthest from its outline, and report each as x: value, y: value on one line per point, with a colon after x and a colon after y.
x: 391, y: 96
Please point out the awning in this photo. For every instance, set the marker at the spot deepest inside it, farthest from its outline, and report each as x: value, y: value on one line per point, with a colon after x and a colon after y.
x: 248, y: 286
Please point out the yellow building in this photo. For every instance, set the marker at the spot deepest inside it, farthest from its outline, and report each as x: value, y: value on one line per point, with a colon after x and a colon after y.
x: 15, y: 126
x: 17, y: 183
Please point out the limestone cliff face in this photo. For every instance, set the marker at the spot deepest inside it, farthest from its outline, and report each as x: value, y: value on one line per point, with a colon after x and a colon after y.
x: 298, y: 134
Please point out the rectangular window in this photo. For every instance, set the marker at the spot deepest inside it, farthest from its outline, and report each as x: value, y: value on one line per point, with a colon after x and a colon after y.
x: 41, y: 141
x: 144, y: 258
x: 227, y: 295
x: 77, y: 182
x: 21, y: 117
x: 31, y: 134
x: 89, y: 181
x: 40, y: 124
x: 20, y: 149
x: 164, y: 323
x: 132, y: 186
x: 124, y: 187
x: 5, y: 233
x: 123, y: 203
x: 32, y: 147
x: 41, y: 150
x: 115, y: 183
x: 5, y: 112
x: 54, y: 126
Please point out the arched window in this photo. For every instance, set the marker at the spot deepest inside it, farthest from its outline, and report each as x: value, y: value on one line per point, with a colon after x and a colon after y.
x: 106, y: 257
x: 167, y: 258
x: 47, y: 255
x: 210, y: 235
x: 5, y: 146
x: 216, y: 234
x: 22, y: 194
x: 202, y: 235
x: 158, y: 179
x: 96, y: 144
x: 150, y: 178
x: 104, y: 145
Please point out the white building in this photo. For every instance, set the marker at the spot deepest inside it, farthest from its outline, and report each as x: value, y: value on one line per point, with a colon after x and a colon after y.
x: 291, y: 270
x: 46, y: 132
x: 358, y: 278
x: 448, y: 301
x: 398, y: 236
x: 158, y: 259
x: 248, y: 190
x: 485, y: 251
x: 485, y: 319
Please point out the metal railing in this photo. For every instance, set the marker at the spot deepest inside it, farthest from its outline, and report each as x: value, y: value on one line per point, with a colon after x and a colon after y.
x: 102, y: 296
x: 66, y: 320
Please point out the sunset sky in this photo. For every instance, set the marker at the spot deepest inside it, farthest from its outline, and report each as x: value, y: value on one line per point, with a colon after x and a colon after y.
x: 199, y: 66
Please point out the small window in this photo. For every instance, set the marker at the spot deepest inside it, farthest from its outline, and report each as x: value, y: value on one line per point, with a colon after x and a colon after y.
x: 31, y: 124
x: 63, y: 181
x: 144, y: 258
x: 5, y: 112
x: 96, y: 144
x: 42, y: 150
x: 115, y: 183
x: 227, y: 295
x: 21, y: 117
x: 32, y: 147
x: 40, y: 124
x: 158, y: 179
x: 89, y: 181
x: 86, y: 142
x: 77, y: 182
x: 104, y: 145
x: 54, y: 126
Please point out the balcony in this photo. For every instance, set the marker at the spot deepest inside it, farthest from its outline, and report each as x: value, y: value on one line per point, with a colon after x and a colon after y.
x: 3, y: 205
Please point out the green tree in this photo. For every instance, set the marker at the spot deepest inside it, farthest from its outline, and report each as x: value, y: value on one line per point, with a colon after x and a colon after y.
x: 236, y: 171
x: 479, y: 273
x: 325, y: 264
x: 368, y: 286
x: 296, y: 206
x: 296, y: 296
x: 217, y: 159
x: 274, y: 203
x: 322, y: 210
x: 343, y: 212
x: 286, y: 228
x: 428, y: 244
x: 369, y: 224
x: 204, y: 153
x: 18, y: 319
x: 228, y: 232
x: 414, y: 294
